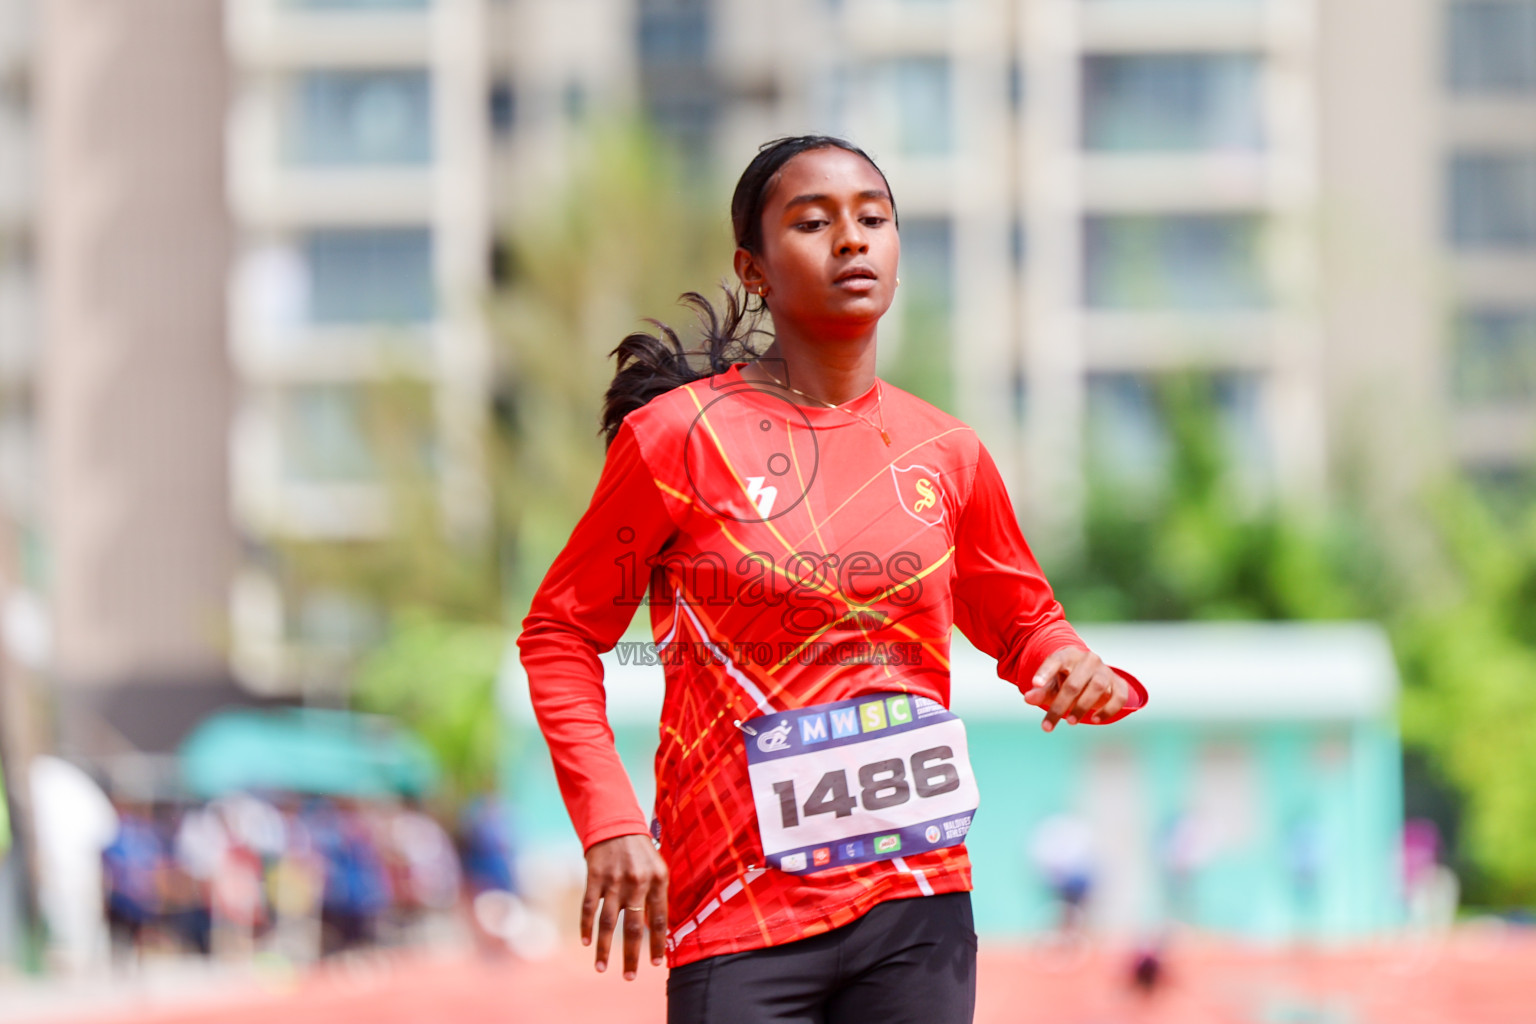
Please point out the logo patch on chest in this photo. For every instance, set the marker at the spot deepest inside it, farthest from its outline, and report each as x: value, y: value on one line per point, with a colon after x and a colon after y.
x: 919, y: 492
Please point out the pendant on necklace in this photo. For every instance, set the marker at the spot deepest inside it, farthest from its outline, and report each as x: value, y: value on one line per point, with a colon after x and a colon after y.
x: 886, y: 438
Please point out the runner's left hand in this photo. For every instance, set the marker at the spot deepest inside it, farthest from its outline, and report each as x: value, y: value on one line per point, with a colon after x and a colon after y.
x: 625, y: 873
x: 1076, y: 685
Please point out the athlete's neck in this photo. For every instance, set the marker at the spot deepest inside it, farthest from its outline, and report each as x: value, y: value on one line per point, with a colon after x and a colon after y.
x: 834, y: 372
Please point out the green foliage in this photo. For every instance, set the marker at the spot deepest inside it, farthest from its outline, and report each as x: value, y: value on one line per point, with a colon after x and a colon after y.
x: 623, y: 236
x: 440, y: 677
x: 1203, y: 545
x: 1462, y: 615
x: 923, y: 363
x: 1469, y: 654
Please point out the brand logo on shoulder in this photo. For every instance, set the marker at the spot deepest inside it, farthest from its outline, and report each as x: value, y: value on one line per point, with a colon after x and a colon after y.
x: 774, y: 739
x: 918, y: 491
x: 761, y: 496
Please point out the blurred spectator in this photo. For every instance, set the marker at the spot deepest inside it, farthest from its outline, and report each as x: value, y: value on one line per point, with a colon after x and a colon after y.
x: 252, y: 823
x: 1432, y: 889
x: 1062, y: 851
x: 75, y: 822
x: 432, y: 876
x: 502, y: 923
x: 356, y: 887
x: 485, y: 837
x: 303, y: 877
x: 1188, y: 845
x: 184, y: 897
x: 295, y: 886
x: 134, y: 866
x: 1147, y: 971
x: 1305, y: 859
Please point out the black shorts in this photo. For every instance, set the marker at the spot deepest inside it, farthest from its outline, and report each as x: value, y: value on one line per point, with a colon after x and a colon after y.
x: 910, y: 961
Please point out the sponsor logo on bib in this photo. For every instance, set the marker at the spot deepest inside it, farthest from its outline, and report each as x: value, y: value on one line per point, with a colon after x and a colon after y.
x: 776, y: 738
x: 887, y: 844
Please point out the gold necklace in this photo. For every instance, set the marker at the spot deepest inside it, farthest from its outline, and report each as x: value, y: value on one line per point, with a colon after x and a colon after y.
x: 879, y: 403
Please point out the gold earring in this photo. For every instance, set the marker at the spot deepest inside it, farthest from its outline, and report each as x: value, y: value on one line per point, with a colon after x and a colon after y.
x: 898, y: 282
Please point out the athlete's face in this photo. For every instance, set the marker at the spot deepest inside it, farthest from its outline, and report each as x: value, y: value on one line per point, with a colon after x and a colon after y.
x: 828, y: 260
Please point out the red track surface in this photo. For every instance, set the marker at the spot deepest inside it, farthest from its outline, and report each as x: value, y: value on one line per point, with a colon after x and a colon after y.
x: 1473, y: 979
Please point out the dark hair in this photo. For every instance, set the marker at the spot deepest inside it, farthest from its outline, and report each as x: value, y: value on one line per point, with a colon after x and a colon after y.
x: 653, y: 364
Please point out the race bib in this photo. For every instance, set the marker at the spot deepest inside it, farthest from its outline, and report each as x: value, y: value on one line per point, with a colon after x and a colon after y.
x: 884, y: 775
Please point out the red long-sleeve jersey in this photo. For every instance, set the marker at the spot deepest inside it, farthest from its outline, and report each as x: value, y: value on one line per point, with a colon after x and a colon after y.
x: 792, y: 558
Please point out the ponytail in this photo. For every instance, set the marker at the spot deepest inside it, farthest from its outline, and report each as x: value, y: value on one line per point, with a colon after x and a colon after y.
x: 653, y: 364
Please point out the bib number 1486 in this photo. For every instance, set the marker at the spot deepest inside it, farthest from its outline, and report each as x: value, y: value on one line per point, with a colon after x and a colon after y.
x: 882, y: 784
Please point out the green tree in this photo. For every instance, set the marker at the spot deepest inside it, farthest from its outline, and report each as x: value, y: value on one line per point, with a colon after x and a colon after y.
x: 1462, y: 616
x: 1203, y: 543
x: 626, y: 233
x: 1468, y: 650
x: 439, y: 676
x: 618, y: 236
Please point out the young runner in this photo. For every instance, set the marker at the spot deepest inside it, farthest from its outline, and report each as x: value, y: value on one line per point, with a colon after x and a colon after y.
x: 808, y: 535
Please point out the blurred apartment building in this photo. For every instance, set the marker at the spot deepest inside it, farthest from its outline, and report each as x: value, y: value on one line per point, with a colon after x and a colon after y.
x: 1325, y: 207
x: 257, y: 211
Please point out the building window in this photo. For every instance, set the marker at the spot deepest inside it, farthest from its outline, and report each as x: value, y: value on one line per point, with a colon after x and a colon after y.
x: 573, y: 100
x: 335, y: 622
x: 370, y: 275
x: 674, y: 31
x: 1127, y: 441
x: 1495, y: 356
x: 1491, y: 46
x: 1130, y: 434
x: 914, y: 93
x: 682, y: 96
x: 501, y: 107
x: 1172, y: 102
x: 1018, y: 85
x: 1179, y: 261
x: 325, y: 435
x: 1018, y: 242
x: 346, y: 118
x: 1493, y: 200
x: 928, y: 256
x: 1509, y: 490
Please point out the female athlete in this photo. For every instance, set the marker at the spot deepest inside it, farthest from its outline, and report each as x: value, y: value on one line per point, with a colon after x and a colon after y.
x: 809, y: 535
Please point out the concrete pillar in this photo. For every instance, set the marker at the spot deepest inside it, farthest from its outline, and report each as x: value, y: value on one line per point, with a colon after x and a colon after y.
x: 134, y: 239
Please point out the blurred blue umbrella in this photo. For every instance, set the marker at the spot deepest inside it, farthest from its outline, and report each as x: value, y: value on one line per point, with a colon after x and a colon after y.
x: 305, y: 751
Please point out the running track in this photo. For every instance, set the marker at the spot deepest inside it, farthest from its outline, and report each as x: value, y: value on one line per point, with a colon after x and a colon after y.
x: 1474, y: 978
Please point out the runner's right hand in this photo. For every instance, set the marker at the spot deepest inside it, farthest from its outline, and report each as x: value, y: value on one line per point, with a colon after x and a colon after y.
x: 625, y: 871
